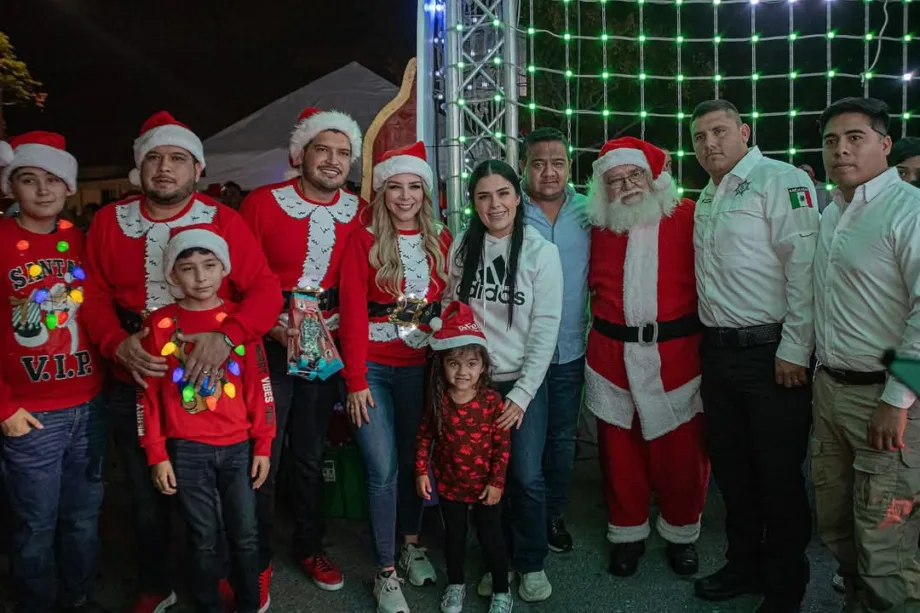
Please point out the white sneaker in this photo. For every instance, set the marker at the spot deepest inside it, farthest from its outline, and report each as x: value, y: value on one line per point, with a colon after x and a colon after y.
x: 419, y: 571
x: 501, y: 603
x: 452, y: 600
x: 388, y: 592
x: 535, y: 587
x: 484, y: 588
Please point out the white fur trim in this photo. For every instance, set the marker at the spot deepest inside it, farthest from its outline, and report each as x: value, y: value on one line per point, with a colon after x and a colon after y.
x: 457, y: 341
x: 291, y: 173
x: 6, y: 153
x: 321, y: 232
x: 198, y: 237
x: 416, y: 270
x: 56, y: 161
x: 173, y: 135
x: 620, y: 157
x: 665, y: 182
x: 679, y: 535
x: 156, y: 235
x: 628, y: 534
x: 306, y: 131
x: 385, y: 332
x: 134, y: 177
x: 403, y: 164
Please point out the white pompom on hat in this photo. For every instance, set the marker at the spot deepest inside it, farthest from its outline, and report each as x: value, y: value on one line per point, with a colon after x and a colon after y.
x: 411, y: 159
x: 636, y: 152
x: 456, y: 327
x: 45, y: 150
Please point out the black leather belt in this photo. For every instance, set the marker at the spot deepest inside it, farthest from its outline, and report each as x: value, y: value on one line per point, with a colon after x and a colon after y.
x: 752, y: 336
x: 327, y: 299
x: 411, y: 312
x: 130, y: 321
x: 853, y: 377
x: 650, y: 333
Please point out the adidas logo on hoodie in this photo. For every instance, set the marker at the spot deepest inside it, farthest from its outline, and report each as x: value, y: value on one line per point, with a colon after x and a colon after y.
x: 495, y: 289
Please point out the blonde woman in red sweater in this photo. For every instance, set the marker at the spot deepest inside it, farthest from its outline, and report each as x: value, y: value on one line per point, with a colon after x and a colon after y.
x: 393, y: 276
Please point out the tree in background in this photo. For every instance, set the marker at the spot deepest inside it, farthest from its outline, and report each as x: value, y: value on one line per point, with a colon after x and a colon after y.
x: 17, y: 86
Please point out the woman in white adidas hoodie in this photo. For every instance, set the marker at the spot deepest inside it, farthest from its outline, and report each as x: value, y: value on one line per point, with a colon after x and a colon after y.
x: 512, y: 279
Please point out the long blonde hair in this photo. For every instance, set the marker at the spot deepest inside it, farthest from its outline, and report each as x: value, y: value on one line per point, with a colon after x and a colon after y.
x: 384, y: 254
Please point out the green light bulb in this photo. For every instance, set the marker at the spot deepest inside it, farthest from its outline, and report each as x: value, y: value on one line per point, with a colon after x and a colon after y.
x: 531, y: 30
x: 459, y: 27
x: 464, y: 175
x: 717, y: 77
x: 604, y: 37
x: 793, y: 113
x: 755, y: 38
x: 869, y: 36
x: 793, y: 36
x: 605, y: 75
x: 642, y: 76
x: 681, y: 115
x: 498, y: 135
x: 755, y: 115
x: 531, y: 68
x: 905, y: 116
x: 908, y: 38
x: 680, y: 153
x: 461, y: 102
x: 467, y: 211
x: 497, y: 60
x: 792, y: 151
x: 642, y: 38
x: 680, y: 190
x: 566, y: 37
x: 606, y: 112
x: 869, y: 75
x: 568, y: 112
x: 462, y: 139
x: 680, y: 77
x: 831, y: 73
x: 717, y: 40
x: 643, y: 114
x: 680, y: 39
x: 461, y: 64
x: 532, y: 106
x: 498, y: 97
x: 793, y: 75
x: 831, y: 34
x: 496, y: 23
x: 568, y: 74
x: 755, y: 77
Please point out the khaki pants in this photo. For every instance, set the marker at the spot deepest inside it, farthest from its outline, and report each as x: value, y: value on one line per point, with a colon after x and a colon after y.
x: 865, y: 499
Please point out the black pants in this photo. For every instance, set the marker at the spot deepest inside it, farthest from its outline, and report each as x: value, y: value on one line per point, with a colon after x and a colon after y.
x: 489, y: 526
x: 303, y: 410
x: 757, y: 436
x: 150, y: 509
x: 215, y: 491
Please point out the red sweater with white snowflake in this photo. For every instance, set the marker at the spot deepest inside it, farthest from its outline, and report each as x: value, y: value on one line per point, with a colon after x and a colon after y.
x: 375, y: 338
x: 47, y: 361
x: 244, y: 406
x: 470, y: 453
x: 303, y: 240
x: 125, y: 269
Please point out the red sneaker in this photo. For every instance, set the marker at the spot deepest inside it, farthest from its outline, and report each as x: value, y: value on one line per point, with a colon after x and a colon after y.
x: 153, y: 603
x: 265, y: 582
x: 325, y: 574
x: 226, y: 596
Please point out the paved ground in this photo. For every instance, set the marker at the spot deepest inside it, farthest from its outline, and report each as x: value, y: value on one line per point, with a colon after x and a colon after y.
x: 580, y: 581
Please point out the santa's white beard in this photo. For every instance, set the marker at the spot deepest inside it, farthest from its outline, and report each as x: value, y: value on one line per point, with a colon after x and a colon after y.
x: 619, y: 217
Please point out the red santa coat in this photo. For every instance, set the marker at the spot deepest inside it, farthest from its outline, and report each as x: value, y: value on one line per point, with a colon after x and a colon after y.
x: 643, y: 276
x: 304, y: 241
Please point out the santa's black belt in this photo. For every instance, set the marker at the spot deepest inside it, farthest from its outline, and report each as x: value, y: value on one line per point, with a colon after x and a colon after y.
x: 650, y: 333
x: 412, y: 312
x: 130, y: 321
x: 853, y: 377
x: 737, y: 338
x: 327, y: 299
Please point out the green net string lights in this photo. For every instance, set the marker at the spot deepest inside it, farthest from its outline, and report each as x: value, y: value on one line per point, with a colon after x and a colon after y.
x: 601, y: 68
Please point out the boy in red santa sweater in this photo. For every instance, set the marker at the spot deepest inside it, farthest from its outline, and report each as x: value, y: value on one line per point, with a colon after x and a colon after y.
x: 51, y: 415
x: 394, y: 274
x: 126, y: 282
x: 211, y: 429
x: 303, y: 225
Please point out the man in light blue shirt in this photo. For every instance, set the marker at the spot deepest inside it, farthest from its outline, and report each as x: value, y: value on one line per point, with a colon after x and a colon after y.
x: 553, y: 208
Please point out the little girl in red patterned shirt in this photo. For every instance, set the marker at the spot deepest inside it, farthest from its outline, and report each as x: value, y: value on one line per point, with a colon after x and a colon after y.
x: 470, y: 456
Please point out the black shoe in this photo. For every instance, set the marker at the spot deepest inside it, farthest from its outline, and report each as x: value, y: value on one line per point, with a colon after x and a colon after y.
x: 559, y: 538
x: 772, y: 606
x: 725, y: 584
x: 624, y: 558
x: 683, y: 559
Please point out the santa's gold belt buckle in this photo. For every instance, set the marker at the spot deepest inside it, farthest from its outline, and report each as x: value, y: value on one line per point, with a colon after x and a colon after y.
x: 414, y: 307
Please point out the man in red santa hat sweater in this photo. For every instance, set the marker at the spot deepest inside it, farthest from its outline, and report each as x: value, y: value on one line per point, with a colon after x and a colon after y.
x: 125, y: 283
x: 643, y: 368
x: 303, y: 224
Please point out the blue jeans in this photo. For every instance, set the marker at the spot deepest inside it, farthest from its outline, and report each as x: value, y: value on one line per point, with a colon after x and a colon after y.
x: 53, y: 478
x: 215, y: 491
x: 564, y: 383
x: 387, y: 445
x: 525, y: 503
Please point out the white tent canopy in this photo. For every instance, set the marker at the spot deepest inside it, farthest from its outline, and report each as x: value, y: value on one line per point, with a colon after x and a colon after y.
x: 254, y: 151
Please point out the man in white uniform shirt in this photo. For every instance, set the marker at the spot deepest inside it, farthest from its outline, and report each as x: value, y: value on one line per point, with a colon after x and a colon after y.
x: 755, y: 229
x: 866, y: 447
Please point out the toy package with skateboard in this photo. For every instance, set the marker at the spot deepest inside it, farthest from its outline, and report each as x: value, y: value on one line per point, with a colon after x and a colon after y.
x: 312, y: 353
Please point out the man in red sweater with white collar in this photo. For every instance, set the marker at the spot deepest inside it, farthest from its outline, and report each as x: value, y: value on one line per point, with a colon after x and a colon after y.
x: 125, y: 283
x: 303, y: 224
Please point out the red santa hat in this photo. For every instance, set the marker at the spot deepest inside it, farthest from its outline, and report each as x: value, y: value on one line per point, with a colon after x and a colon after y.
x: 635, y: 152
x: 411, y: 159
x: 456, y: 328
x: 163, y: 129
x: 312, y: 121
x: 45, y: 150
x: 199, y: 236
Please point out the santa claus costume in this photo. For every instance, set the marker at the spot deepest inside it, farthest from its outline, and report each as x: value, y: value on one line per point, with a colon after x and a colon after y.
x: 126, y: 283
x: 52, y: 413
x: 643, y: 368
x: 304, y: 240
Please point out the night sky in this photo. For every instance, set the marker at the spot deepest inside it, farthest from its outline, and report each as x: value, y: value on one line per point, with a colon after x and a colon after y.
x: 108, y: 64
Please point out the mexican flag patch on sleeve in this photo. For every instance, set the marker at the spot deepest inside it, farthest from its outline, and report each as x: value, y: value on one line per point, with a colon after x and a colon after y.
x: 800, y: 198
